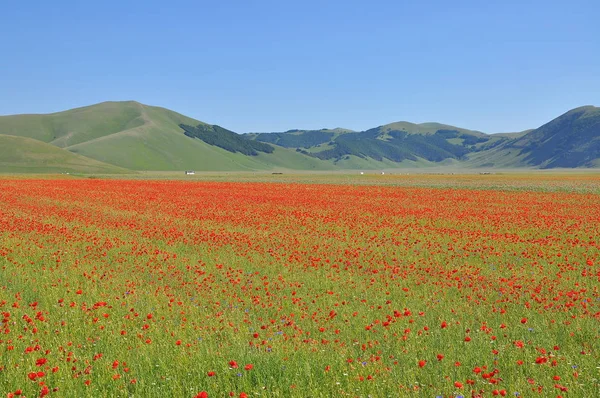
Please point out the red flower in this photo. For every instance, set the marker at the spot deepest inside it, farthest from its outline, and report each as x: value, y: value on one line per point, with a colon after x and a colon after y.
x: 44, y: 391
x: 233, y: 364
x: 248, y: 367
x: 541, y: 360
x: 422, y: 363
x: 561, y: 388
x: 202, y: 394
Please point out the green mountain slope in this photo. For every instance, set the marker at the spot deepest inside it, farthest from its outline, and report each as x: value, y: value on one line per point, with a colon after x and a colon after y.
x: 141, y: 137
x: 299, y: 138
x: 26, y: 155
x: 133, y: 136
x: 427, y: 128
x: 570, y: 140
x: 395, y: 142
x: 78, y: 125
x: 226, y: 139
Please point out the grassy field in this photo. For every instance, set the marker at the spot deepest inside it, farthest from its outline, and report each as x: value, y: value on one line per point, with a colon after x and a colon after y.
x: 300, y: 285
x: 583, y: 180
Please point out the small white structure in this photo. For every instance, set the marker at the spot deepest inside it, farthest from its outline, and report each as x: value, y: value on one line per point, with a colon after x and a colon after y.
x: 189, y: 172
x: 362, y: 173
x: 383, y: 172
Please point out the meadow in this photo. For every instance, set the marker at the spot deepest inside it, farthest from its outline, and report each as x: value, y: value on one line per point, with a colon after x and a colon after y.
x: 362, y: 286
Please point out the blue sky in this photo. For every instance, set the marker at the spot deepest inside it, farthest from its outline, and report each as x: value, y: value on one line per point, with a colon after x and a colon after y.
x: 276, y: 65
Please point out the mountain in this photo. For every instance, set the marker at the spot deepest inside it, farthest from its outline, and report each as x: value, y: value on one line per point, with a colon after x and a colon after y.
x: 226, y: 139
x: 114, y: 137
x: 570, y: 140
x: 26, y: 155
x: 135, y: 136
x: 299, y: 138
x: 396, y: 142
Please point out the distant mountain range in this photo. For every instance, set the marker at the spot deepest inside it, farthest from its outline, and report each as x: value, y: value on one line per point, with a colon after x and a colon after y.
x: 121, y: 137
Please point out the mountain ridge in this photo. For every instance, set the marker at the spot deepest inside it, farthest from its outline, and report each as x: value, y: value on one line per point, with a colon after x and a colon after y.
x: 134, y: 136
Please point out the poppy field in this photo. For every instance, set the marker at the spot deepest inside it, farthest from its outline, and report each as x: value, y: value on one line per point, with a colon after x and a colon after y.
x: 253, y: 289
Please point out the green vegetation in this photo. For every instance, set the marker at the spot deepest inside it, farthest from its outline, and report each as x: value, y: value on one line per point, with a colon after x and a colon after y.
x: 474, y: 285
x: 76, y: 126
x: 26, y: 155
x: 295, y: 139
x: 133, y: 136
x: 394, y: 145
x: 571, y: 140
x: 226, y: 139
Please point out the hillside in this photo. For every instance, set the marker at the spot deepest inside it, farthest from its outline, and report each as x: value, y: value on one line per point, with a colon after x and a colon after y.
x: 226, y: 139
x: 396, y: 142
x: 141, y: 137
x: 571, y: 140
x: 299, y: 138
x: 133, y: 136
x: 26, y: 155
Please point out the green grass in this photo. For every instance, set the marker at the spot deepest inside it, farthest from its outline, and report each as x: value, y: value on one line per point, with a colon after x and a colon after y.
x: 314, y: 271
x: 26, y: 155
x: 139, y: 137
x: 426, y: 128
x: 76, y: 125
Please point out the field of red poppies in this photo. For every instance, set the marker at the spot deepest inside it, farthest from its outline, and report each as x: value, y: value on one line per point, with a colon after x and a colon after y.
x: 195, y: 289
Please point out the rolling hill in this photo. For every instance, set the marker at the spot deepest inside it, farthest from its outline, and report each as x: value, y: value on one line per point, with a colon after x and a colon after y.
x: 400, y: 142
x: 26, y: 155
x: 134, y: 136
x: 571, y: 140
x: 115, y: 137
x: 299, y: 138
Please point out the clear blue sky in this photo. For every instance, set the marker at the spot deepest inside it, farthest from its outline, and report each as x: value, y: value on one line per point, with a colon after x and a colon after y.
x: 275, y: 65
